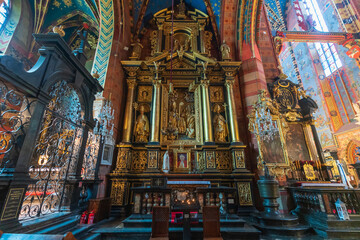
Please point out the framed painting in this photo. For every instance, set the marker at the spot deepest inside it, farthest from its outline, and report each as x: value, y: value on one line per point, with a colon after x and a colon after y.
x: 296, y: 144
x: 182, y: 160
x: 273, y: 151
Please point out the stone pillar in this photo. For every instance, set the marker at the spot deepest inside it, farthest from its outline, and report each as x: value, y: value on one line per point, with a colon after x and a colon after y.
x: 128, y: 117
x: 208, y: 131
x: 155, y: 113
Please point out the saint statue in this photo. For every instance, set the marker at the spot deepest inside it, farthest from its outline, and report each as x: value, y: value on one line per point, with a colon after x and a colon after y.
x: 225, y: 51
x: 220, y: 127
x: 141, y: 130
x: 182, y: 121
x: 166, y: 162
x: 137, y: 47
x: 190, y: 122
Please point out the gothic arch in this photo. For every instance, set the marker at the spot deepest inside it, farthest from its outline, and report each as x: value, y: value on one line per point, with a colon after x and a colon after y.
x: 350, y: 150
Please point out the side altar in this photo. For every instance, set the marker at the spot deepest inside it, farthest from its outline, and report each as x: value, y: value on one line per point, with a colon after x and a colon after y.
x: 180, y: 109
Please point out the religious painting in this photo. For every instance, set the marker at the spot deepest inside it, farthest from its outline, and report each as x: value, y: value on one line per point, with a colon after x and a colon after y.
x: 296, y: 143
x: 309, y: 172
x: 216, y: 94
x: 272, y: 150
x: 144, y: 93
x: 182, y: 160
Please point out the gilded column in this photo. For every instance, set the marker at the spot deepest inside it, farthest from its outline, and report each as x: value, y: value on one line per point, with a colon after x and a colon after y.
x: 128, y: 117
x: 202, y: 24
x: 234, y: 128
x: 208, y: 132
x: 155, y: 112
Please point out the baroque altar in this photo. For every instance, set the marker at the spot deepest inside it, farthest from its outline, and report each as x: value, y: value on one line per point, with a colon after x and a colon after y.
x: 180, y: 108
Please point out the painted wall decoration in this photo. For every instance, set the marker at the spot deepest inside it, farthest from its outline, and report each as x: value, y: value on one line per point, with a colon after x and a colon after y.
x: 106, y: 33
x: 296, y: 144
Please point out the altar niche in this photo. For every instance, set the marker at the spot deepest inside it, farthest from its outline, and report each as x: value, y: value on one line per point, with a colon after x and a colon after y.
x: 180, y: 108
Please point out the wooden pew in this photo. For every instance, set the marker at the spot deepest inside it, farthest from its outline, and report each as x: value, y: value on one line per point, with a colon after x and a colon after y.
x: 17, y: 236
x: 211, y: 223
x: 160, y: 223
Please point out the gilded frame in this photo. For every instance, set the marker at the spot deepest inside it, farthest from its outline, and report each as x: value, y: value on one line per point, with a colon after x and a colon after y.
x: 165, y: 118
x: 179, y: 164
x: 281, y: 123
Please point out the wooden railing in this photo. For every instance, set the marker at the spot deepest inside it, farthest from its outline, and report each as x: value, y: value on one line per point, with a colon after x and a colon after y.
x: 323, y: 200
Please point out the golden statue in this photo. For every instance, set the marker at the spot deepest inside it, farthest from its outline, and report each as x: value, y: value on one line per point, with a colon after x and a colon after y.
x: 190, y: 122
x: 182, y: 121
x: 142, y: 129
x: 137, y: 47
x: 220, y: 127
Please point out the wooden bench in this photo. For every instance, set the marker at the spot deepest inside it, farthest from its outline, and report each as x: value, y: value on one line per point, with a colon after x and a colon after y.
x: 17, y: 236
x: 160, y: 223
x: 211, y: 223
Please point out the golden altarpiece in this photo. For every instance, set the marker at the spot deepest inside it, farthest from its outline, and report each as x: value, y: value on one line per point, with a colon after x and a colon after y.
x: 180, y: 107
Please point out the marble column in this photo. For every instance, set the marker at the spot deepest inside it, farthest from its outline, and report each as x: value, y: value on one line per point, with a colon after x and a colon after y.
x: 208, y: 131
x: 128, y: 118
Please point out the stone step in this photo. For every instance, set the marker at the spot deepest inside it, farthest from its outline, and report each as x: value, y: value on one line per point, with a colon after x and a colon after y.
x: 280, y: 220
x: 343, y: 233
x: 175, y: 233
x: 65, y: 226
x: 136, y: 221
x: 44, y: 222
x: 289, y: 231
x: 343, y: 224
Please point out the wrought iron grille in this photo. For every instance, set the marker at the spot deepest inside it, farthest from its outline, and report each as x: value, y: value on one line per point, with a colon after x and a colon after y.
x: 91, y: 156
x: 56, y: 154
x: 15, y: 114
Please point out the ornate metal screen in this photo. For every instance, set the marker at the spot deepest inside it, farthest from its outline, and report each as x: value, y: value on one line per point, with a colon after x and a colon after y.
x: 15, y: 115
x: 56, y: 154
x: 91, y: 156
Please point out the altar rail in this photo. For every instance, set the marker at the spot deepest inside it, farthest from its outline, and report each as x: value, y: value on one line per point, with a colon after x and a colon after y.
x: 323, y: 200
x: 146, y: 198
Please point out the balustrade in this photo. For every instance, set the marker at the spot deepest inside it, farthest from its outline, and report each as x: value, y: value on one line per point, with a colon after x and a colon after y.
x: 323, y: 200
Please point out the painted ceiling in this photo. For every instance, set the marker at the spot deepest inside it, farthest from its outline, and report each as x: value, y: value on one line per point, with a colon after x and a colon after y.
x: 153, y: 6
x: 276, y: 10
x: 57, y: 9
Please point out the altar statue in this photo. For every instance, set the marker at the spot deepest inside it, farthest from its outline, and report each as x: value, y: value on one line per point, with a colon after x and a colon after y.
x: 220, y: 127
x: 225, y: 51
x: 182, y: 121
x: 190, y: 122
x: 137, y: 47
x: 141, y: 130
x: 166, y: 162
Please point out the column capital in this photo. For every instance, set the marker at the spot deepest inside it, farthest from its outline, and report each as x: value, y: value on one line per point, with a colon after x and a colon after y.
x: 131, y: 82
x: 156, y: 82
x: 205, y: 82
x: 131, y: 71
x: 229, y: 82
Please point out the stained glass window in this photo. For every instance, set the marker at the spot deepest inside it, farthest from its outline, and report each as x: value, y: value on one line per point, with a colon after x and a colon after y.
x: 4, y: 13
x: 328, y: 55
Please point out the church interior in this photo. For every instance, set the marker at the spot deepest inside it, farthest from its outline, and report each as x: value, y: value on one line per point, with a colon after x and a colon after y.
x: 181, y: 119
